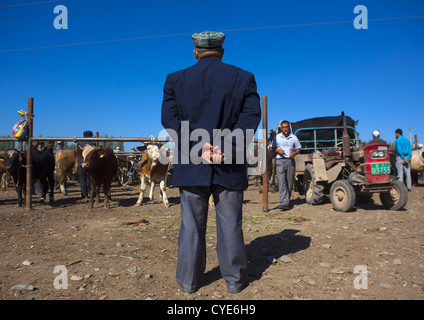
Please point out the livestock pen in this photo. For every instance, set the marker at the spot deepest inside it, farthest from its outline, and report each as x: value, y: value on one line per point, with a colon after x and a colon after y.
x: 30, y: 124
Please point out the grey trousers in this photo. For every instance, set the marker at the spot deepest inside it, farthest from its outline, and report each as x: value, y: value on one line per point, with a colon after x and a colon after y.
x: 285, y: 174
x: 402, y: 169
x: 192, y: 243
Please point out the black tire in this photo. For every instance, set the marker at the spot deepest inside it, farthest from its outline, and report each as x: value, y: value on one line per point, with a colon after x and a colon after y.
x: 397, y: 198
x: 363, y: 198
x: 298, y: 185
x: 342, y: 196
x: 313, y: 190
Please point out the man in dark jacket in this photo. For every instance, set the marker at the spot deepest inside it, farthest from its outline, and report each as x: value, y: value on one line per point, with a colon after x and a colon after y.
x: 219, y: 104
x: 376, y: 138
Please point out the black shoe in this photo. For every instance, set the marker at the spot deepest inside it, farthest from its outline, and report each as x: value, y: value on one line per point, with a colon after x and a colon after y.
x: 189, y: 291
x: 232, y: 289
x: 284, y: 208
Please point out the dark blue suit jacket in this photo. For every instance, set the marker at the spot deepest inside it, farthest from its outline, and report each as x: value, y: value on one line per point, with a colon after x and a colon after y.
x: 210, y: 95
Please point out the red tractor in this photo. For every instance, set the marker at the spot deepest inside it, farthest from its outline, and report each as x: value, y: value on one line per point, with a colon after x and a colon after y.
x: 338, y: 167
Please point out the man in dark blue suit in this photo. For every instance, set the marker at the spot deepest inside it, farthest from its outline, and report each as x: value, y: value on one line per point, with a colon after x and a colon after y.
x: 211, y: 110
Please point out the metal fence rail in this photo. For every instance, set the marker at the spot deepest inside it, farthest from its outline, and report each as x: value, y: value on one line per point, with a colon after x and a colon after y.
x: 28, y: 141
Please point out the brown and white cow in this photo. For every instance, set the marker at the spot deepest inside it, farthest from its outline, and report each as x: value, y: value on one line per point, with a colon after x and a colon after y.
x: 154, y: 167
x: 66, y: 163
x: 102, y: 166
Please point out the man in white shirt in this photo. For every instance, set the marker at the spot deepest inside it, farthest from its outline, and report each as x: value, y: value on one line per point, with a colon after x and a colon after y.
x: 285, y: 146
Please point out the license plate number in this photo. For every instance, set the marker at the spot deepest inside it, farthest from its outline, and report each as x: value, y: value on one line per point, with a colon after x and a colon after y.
x: 380, y: 168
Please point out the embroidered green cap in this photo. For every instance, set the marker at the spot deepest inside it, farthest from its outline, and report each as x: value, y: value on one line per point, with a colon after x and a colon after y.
x: 208, y: 39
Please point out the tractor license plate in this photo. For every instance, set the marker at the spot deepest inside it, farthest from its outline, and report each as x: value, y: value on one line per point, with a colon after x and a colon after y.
x: 380, y: 168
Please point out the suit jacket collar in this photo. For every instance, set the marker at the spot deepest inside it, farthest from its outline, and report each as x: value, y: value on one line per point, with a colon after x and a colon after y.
x: 209, y: 59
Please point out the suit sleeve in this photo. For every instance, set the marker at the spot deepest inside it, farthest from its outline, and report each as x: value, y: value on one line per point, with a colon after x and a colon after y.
x: 250, y: 115
x: 170, y: 117
x: 248, y: 118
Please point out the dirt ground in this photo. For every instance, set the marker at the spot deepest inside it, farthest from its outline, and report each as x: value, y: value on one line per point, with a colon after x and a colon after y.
x: 308, y: 252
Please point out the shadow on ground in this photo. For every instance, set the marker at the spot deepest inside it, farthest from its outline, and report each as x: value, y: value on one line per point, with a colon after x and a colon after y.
x: 261, y: 252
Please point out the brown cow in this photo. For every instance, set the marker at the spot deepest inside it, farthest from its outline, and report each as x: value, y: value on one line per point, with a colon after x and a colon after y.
x: 3, y: 175
x: 102, y: 166
x: 124, y: 165
x: 65, y: 164
x: 154, y: 166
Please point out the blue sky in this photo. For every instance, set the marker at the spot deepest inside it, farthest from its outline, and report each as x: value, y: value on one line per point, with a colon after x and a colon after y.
x: 305, y: 67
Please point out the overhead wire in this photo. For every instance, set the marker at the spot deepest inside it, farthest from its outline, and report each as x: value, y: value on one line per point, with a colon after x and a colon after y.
x: 103, y: 8
x: 30, y: 3
x: 189, y: 33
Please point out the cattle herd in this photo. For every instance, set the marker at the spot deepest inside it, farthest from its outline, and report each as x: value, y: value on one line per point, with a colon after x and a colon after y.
x: 101, y: 163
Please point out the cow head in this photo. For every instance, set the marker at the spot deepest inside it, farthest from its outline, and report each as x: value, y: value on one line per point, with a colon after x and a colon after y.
x: 85, y: 151
x: 155, y: 153
x: 12, y: 160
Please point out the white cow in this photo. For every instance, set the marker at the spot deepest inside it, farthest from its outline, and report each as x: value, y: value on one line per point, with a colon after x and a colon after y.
x: 154, y: 166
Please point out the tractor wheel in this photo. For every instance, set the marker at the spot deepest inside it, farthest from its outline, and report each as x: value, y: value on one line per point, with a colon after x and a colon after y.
x: 396, y: 198
x: 314, y: 191
x: 342, y: 196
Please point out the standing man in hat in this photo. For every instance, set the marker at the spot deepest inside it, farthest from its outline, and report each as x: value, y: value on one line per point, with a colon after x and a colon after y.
x: 207, y: 96
x: 285, y: 146
x: 403, y: 158
x: 83, y: 176
x: 376, y: 138
x: 60, y: 145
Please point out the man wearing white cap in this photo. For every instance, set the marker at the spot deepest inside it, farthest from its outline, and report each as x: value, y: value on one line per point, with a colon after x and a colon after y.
x: 376, y: 138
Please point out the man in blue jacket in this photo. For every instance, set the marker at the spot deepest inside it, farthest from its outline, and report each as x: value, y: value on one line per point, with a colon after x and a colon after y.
x: 403, y: 158
x: 205, y: 102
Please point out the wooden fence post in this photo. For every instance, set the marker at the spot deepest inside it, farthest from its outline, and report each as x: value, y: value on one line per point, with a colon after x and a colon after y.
x: 265, y: 146
x: 30, y: 124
